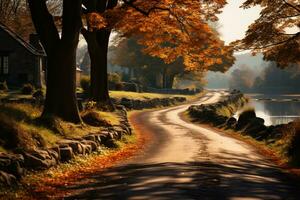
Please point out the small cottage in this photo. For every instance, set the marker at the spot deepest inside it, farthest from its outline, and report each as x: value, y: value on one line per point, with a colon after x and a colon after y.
x: 21, y: 62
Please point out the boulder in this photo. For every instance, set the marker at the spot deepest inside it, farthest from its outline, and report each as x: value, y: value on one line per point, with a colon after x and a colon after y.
x: 92, y: 144
x: 12, y: 164
x: 87, y: 149
x: 7, y: 180
x: 231, y: 122
x: 75, y: 145
x: 66, y: 154
x: 245, y: 118
x: 39, y: 159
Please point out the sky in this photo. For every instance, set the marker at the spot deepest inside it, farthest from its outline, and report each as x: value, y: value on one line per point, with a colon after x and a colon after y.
x: 234, y: 21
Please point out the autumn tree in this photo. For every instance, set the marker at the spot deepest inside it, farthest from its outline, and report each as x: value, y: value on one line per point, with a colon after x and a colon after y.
x: 60, y: 46
x: 169, y: 30
x: 151, y: 71
x: 276, y: 32
x: 97, y: 34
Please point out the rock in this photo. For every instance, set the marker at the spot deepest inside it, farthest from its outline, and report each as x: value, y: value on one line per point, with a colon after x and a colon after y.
x: 90, y: 137
x: 127, y: 103
x: 231, y: 122
x: 110, y: 143
x: 66, y: 154
x: 54, y: 154
x: 94, y: 145
x: 87, y: 149
x: 75, y: 145
x: 245, y: 118
x: 12, y: 164
x: 39, y: 159
x: 7, y: 179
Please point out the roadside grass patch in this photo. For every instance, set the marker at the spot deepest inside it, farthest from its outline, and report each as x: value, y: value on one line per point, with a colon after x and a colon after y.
x: 143, y: 96
x: 22, y: 129
x: 53, y: 183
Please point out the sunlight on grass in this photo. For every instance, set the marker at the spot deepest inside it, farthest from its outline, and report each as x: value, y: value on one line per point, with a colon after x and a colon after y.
x: 111, y: 117
x: 142, y: 96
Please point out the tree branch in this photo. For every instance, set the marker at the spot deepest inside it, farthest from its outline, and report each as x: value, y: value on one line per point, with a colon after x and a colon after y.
x: 291, y: 5
x: 44, y: 24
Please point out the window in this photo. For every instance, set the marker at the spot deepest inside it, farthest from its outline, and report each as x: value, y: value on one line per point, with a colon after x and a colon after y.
x: 4, y: 65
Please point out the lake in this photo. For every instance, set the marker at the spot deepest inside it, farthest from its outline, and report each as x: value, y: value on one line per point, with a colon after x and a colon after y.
x: 276, y: 109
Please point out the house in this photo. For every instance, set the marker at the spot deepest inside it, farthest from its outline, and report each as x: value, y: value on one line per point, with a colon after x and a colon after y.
x: 21, y: 62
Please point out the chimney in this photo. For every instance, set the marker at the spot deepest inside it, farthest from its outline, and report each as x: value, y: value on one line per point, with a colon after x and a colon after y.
x: 35, y: 42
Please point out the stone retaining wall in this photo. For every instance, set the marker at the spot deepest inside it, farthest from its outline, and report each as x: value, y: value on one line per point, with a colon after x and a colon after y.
x: 219, y: 113
x: 135, y: 104
x: 14, y: 166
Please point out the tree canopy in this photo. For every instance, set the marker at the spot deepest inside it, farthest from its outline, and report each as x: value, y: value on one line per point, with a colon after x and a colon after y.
x: 276, y: 32
x: 170, y: 29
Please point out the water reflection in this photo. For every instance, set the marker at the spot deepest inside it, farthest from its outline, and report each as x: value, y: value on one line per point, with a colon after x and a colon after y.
x: 276, y: 109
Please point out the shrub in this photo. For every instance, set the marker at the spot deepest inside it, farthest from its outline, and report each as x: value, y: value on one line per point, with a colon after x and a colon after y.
x: 94, y: 119
x: 114, y: 78
x: 85, y: 83
x: 3, y: 86
x: 27, y: 89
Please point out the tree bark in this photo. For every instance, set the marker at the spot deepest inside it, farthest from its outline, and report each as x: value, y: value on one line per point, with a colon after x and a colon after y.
x: 61, y: 98
x: 98, y: 42
x: 100, y: 91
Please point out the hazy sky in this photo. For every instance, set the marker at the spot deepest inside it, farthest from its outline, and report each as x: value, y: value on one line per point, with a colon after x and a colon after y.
x: 234, y: 20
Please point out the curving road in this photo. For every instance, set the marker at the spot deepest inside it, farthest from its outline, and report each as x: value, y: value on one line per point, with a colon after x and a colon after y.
x: 187, y: 161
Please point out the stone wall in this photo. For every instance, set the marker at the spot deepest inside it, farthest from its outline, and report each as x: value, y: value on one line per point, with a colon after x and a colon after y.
x: 219, y: 113
x: 14, y: 166
x: 136, y: 104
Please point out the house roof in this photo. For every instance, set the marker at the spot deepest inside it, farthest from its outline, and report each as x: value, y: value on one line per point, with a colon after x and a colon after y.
x: 21, y: 41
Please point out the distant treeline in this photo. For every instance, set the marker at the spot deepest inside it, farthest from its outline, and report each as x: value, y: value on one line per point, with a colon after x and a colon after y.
x: 271, y: 80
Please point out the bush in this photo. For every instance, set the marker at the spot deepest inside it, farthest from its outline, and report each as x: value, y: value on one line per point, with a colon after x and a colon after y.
x: 85, y: 83
x: 27, y: 89
x: 114, y: 78
x: 3, y: 86
x: 94, y: 119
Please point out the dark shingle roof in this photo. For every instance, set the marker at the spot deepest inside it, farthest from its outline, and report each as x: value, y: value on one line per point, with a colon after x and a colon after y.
x: 25, y: 44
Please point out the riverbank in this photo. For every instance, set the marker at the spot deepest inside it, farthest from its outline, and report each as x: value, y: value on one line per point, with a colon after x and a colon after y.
x: 282, y: 140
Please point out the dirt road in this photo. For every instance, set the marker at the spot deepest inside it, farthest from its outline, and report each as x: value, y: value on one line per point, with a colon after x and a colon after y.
x: 187, y: 161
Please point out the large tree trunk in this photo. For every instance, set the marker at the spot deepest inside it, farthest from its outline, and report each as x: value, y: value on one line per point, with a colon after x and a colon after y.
x: 164, y: 78
x: 170, y: 81
x: 98, y: 49
x: 61, y: 98
x: 61, y: 57
x: 99, y: 89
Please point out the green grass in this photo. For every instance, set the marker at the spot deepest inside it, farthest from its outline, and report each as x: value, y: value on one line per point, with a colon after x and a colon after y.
x: 21, y: 127
x: 111, y: 117
x: 143, y: 96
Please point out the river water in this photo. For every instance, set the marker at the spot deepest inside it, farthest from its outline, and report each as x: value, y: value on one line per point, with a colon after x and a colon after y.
x: 275, y: 109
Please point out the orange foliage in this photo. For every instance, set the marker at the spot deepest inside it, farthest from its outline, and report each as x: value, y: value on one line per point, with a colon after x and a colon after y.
x: 170, y: 29
x: 269, y: 33
x: 47, y: 187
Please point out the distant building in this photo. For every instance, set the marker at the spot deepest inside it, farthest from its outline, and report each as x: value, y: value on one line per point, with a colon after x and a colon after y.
x: 21, y: 62
x: 78, y: 76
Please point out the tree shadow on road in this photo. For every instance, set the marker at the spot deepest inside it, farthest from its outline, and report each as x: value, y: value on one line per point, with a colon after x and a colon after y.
x: 192, y: 180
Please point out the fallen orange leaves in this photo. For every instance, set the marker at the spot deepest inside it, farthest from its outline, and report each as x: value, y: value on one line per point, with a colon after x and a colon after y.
x: 54, y: 187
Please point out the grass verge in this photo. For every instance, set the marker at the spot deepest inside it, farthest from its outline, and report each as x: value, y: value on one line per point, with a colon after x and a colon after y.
x: 57, y: 182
